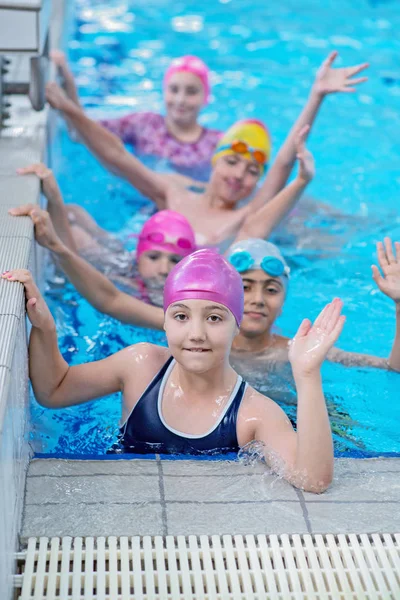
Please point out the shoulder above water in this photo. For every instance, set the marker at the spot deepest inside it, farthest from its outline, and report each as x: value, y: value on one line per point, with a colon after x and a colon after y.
x: 145, y: 356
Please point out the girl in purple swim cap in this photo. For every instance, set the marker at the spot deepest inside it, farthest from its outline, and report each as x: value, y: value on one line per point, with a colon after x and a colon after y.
x: 187, y: 398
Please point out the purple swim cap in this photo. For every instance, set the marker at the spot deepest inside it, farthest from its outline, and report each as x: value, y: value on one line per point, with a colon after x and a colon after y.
x: 206, y: 275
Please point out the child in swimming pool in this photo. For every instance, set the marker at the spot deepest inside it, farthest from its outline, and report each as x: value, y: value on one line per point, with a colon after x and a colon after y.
x: 176, y: 136
x: 186, y: 398
x: 265, y: 277
x: 256, y: 348
x: 65, y: 241
x: 163, y: 241
x: 239, y: 162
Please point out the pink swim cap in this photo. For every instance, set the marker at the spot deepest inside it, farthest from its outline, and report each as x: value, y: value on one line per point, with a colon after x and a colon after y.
x: 167, y: 231
x: 190, y: 64
x: 206, y: 275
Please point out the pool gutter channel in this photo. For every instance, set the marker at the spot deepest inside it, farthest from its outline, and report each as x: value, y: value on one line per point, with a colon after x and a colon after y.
x: 283, y: 567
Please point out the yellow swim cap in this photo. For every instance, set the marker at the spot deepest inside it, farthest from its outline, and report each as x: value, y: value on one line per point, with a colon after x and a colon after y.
x: 249, y: 138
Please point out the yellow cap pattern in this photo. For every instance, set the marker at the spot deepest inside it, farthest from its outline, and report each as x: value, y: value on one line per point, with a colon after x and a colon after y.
x: 252, y: 132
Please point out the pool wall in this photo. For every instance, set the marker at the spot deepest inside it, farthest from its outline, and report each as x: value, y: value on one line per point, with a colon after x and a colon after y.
x: 19, y: 145
x: 23, y: 142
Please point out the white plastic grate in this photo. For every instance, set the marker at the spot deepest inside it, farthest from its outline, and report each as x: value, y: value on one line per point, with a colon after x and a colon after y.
x: 284, y: 567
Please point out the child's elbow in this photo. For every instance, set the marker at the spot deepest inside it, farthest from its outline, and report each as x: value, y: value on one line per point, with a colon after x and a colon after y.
x: 317, y: 486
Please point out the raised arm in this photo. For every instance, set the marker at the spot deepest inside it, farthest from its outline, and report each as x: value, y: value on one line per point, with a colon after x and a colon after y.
x: 109, y: 149
x: 305, y: 459
x: 264, y: 216
x: 65, y: 72
x: 327, y: 81
x: 55, y: 203
x: 389, y: 284
x: 55, y: 384
x: 99, y: 291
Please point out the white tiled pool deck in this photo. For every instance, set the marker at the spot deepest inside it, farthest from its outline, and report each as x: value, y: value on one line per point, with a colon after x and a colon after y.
x: 168, y: 497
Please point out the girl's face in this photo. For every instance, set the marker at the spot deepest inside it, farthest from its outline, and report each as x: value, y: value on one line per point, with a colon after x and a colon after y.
x: 184, y: 97
x: 200, y: 334
x: 155, y: 264
x: 234, y: 178
x: 263, y: 300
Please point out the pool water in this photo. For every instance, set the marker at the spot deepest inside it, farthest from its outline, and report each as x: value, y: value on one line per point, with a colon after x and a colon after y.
x: 262, y: 65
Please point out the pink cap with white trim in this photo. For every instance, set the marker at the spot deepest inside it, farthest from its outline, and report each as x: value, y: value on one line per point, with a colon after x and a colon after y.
x: 194, y: 65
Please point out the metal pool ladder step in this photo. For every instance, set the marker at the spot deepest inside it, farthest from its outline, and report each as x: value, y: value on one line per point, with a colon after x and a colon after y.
x: 228, y: 567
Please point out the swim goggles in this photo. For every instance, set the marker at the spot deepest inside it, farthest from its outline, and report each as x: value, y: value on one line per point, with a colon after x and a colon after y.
x: 243, y: 148
x: 157, y: 237
x: 243, y: 261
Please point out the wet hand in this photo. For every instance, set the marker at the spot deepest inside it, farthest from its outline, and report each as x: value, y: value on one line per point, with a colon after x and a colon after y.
x: 389, y: 262
x: 57, y: 98
x: 59, y: 59
x: 37, y: 309
x: 48, y: 181
x: 45, y: 233
x: 304, y: 156
x: 329, y: 80
x: 312, y: 342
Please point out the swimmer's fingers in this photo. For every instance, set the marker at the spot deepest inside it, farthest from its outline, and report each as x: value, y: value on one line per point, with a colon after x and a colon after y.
x: 357, y: 81
x: 58, y: 58
x: 349, y: 90
x: 388, y: 287
x: 351, y: 71
x: 397, y: 247
x: 22, y: 211
x: 382, y: 257
x: 333, y: 316
x: 37, y: 309
x: 321, y: 317
x: 28, y: 210
x: 39, y: 169
x: 389, y: 250
x: 25, y: 277
x: 56, y: 97
x: 328, y: 62
x: 324, y: 318
x: 45, y: 233
x: 377, y: 277
x: 337, y: 330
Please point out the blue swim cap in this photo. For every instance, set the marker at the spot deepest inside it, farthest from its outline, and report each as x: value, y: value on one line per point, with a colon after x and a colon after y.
x: 255, y: 253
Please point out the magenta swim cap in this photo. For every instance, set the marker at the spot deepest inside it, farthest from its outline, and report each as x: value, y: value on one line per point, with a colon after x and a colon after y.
x: 206, y: 275
x: 190, y: 64
x: 168, y: 231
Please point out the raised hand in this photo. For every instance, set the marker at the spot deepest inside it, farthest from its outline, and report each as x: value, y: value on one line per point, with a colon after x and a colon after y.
x: 389, y: 262
x: 329, y: 80
x: 37, y: 309
x: 45, y: 233
x: 48, y: 181
x: 304, y: 156
x: 310, y: 345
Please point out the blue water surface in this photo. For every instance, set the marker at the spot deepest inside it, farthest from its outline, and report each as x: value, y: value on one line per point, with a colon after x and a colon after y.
x: 263, y: 58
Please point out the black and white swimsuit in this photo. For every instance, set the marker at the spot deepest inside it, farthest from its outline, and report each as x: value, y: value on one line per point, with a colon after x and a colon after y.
x: 145, y: 430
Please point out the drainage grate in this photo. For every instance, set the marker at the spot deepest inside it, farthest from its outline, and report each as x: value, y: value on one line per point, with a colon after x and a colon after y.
x: 285, y: 567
